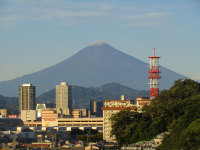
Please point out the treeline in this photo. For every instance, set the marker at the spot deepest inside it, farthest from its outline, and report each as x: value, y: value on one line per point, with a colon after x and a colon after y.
x: 176, y: 111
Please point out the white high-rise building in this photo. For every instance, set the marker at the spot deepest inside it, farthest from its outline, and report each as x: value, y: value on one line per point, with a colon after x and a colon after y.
x: 64, y: 98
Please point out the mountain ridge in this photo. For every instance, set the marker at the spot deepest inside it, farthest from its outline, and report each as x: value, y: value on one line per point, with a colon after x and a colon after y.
x: 81, y: 96
x: 94, y: 65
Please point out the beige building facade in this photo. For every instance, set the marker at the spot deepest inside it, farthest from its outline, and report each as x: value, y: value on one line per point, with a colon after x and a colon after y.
x: 64, y: 99
x: 112, y: 107
x: 28, y: 115
x: 4, y: 112
x: 49, y: 118
x: 142, y: 101
x: 79, y: 113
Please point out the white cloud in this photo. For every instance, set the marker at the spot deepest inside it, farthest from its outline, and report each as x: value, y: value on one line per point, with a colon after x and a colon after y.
x: 72, y: 12
x: 104, y: 6
x: 143, y: 24
x: 127, y: 8
x: 147, y: 15
x: 24, y: 12
x: 11, y: 20
x: 153, y: 19
x: 59, y: 14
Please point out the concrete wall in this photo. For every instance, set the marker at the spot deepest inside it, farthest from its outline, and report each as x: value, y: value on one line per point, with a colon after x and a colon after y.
x: 28, y: 115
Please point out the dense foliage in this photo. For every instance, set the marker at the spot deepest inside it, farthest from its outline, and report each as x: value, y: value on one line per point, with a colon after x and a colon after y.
x: 87, y: 135
x: 91, y: 138
x: 176, y: 111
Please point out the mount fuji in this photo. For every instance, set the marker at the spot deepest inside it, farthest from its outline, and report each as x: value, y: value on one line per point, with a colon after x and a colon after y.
x: 95, y: 65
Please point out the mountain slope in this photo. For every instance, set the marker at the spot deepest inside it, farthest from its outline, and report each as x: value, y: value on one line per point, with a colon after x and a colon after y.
x: 95, y: 65
x: 82, y: 96
x: 10, y: 103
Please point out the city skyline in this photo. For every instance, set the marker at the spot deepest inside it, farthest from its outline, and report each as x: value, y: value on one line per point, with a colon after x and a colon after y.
x: 37, y: 34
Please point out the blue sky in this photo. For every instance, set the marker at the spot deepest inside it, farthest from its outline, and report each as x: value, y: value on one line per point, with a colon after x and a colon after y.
x: 35, y: 34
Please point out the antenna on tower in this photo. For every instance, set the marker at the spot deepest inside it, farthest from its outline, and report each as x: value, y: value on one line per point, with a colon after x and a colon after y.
x: 154, y: 75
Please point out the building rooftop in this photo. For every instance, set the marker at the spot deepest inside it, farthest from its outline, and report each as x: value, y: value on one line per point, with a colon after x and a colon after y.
x: 118, y: 108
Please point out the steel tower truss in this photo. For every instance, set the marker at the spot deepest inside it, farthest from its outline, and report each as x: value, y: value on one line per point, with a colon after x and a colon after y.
x: 154, y: 75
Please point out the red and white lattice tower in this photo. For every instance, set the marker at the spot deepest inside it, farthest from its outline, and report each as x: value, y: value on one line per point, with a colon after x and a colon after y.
x: 154, y: 76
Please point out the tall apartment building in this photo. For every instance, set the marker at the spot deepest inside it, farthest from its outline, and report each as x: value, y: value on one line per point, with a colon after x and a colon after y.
x: 95, y: 108
x: 112, y: 107
x: 26, y: 97
x: 64, y: 98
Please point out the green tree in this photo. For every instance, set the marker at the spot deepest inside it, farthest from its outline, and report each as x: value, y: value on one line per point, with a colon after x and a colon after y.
x: 92, y: 138
x: 175, y: 110
x: 96, y: 137
x: 184, y: 88
x: 123, y: 123
x: 190, y: 137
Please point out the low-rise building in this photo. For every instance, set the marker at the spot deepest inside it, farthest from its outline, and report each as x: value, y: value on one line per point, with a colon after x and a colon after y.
x: 49, y: 118
x: 28, y: 115
x: 6, y: 123
x: 4, y: 112
x: 142, y: 101
x: 79, y: 113
x: 95, y: 123
x: 39, y: 108
x: 76, y: 113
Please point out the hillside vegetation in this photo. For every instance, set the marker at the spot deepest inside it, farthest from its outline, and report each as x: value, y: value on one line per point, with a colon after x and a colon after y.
x: 10, y: 103
x: 82, y: 95
x: 176, y: 111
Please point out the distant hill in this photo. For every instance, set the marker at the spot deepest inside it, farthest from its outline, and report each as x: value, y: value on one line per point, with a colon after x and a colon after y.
x: 82, y: 96
x: 94, y: 65
x: 118, y: 89
x: 10, y: 103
